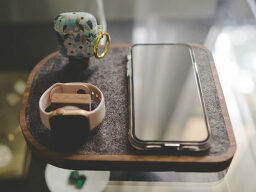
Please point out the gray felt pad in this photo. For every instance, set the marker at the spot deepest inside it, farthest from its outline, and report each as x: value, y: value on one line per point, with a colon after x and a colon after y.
x: 109, y: 74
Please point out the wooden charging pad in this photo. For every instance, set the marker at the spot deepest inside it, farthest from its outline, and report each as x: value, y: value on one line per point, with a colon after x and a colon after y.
x: 108, y: 148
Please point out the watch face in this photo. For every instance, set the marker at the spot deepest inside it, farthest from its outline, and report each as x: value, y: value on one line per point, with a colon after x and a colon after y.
x: 69, y: 130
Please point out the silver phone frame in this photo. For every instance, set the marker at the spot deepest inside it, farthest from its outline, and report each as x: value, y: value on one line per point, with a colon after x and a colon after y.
x: 170, y: 145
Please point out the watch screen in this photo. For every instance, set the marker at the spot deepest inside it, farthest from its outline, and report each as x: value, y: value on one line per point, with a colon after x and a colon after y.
x: 70, y: 130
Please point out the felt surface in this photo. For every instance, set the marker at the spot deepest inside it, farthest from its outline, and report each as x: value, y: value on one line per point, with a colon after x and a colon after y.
x: 109, y: 74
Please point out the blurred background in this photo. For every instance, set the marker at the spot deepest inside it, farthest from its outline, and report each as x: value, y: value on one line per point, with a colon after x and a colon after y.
x: 226, y: 27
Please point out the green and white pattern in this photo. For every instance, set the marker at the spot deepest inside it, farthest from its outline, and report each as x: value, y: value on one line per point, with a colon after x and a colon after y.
x: 77, y: 33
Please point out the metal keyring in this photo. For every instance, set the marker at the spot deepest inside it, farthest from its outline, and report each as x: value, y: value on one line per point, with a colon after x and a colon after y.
x: 95, y: 50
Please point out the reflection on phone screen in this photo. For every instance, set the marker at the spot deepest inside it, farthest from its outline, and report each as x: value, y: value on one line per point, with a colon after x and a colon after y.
x: 167, y: 104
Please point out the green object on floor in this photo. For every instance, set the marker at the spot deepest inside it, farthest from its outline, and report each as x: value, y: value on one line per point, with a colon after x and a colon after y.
x: 81, y: 181
x: 75, y: 178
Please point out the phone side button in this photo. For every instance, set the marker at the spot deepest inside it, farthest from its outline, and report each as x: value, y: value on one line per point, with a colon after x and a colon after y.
x: 128, y: 70
x: 128, y: 63
x: 128, y: 73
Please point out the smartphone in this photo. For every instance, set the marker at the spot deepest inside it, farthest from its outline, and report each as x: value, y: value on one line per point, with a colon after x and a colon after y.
x: 166, y: 105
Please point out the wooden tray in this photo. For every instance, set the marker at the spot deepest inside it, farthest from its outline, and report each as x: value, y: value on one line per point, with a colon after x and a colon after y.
x: 109, y: 148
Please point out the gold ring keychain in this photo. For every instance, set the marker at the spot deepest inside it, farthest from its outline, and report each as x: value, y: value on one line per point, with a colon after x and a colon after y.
x: 95, y: 50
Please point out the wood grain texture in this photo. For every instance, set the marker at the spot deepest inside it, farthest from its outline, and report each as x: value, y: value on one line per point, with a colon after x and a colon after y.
x: 202, y: 163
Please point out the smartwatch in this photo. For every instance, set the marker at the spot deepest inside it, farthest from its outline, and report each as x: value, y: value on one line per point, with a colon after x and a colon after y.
x: 65, y: 108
